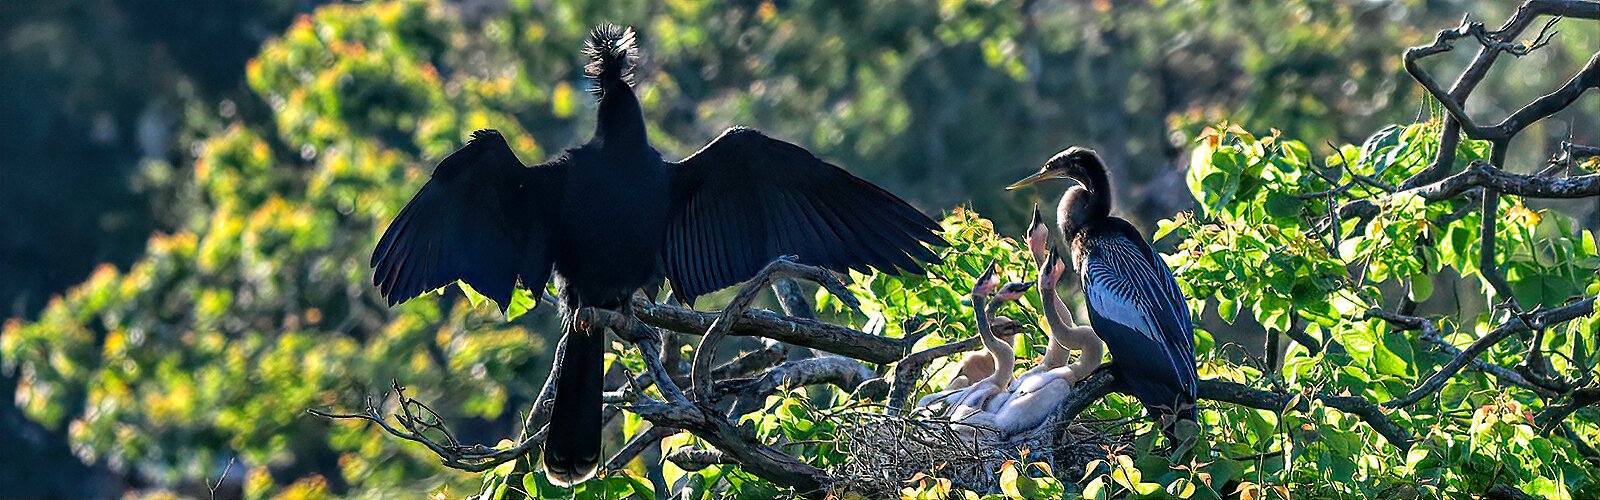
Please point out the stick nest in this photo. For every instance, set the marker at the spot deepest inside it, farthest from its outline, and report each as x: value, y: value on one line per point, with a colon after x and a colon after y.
x: 887, y: 451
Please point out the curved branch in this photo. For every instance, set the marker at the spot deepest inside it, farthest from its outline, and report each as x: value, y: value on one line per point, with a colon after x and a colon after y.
x: 782, y: 267
x: 750, y: 393
x: 762, y: 323
x: 1436, y: 381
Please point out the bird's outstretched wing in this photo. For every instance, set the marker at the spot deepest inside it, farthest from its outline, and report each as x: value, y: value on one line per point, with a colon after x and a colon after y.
x: 746, y: 199
x: 478, y: 219
x: 1126, y: 284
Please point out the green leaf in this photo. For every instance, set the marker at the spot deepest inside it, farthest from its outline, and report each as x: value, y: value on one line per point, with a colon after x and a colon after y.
x: 1421, y: 287
x: 522, y: 301
x: 474, y: 298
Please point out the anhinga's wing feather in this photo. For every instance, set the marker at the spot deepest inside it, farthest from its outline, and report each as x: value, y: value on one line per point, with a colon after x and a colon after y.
x: 1126, y: 284
x: 746, y: 199
x: 478, y: 220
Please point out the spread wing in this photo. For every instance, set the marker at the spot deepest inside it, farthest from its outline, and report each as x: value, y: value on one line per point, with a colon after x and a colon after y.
x: 746, y: 199
x: 479, y: 219
x: 1143, y: 316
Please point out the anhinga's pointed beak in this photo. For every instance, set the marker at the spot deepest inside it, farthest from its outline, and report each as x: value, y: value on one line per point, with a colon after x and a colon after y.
x: 1042, y: 175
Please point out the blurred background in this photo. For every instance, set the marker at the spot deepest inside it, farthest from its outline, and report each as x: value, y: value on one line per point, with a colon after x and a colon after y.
x: 191, y: 188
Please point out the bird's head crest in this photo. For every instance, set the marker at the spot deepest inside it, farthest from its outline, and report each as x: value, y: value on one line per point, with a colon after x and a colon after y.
x: 612, y: 51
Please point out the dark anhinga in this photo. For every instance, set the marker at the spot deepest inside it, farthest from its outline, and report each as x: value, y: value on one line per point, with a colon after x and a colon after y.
x: 1134, y: 302
x: 611, y: 216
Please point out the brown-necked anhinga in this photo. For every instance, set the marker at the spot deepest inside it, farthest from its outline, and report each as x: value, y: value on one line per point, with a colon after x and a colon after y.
x: 1135, y: 305
x: 611, y: 216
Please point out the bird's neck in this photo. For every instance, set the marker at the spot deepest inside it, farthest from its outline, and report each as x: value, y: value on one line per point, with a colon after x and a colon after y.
x: 989, y: 313
x: 1056, y: 353
x: 1079, y: 208
x: 621, y: 120
x: 1001, y: 350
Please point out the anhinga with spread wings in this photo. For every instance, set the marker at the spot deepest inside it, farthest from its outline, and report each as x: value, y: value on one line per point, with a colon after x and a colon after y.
x: 1134, y: 302
x: 610, y: 217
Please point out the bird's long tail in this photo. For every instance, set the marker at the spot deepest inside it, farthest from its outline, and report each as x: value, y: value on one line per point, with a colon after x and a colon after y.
x: 572, y: 447
x: 612, y: 52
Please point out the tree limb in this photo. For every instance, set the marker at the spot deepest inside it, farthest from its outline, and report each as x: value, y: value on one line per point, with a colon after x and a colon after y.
x: 1436, y: 381
x: 700, y: 368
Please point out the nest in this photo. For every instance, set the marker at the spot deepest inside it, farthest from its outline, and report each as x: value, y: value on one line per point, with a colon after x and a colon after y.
x: 886, y: 451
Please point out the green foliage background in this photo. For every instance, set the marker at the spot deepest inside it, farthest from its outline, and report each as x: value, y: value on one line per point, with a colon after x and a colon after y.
x: 253, y: 302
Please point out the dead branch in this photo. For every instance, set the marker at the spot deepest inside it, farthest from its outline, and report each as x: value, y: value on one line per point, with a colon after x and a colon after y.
x: 678, y: 412
x: 1240, y: 394
x: 762, y: 323
x: 1480, y: 174
x: 694, y: 459
x: 750, y: 363
x: 414, y: 421
x: 1103, y: 382
x: 749, y: 393
x: 1555, y: 415
x: 637, y: 444
x: 1493, y: 43
x: 908, y: 371
x: 700, y: 368
x: 1431, y: 335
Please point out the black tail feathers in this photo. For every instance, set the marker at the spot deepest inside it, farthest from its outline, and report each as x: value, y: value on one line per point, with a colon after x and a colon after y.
x: 572, y: 448
x: 612, y: 52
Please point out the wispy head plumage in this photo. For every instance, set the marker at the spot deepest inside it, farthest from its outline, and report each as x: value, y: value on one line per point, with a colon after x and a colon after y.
x: 612, y: 52
x: 486, y: 135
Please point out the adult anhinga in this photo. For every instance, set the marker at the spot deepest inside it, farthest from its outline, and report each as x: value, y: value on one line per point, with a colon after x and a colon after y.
x: 611, y: 216
x: 1134, y: 302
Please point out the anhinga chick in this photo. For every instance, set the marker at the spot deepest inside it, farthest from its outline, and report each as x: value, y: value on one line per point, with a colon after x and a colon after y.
x: 978, y: 365
x: 1134, y: 303
x: 978, y: 396
x: 1064, y: 335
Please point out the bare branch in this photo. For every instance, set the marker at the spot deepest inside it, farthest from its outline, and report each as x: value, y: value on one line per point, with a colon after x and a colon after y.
x: 1493, y: 43
x: 1240, y: 394
x: 700, y: 368
x: 1555, y: 415
x: 1431, y: 335
x: 1481, y: 174
x: 1583, y: 446
x: 637, y: 444
x: 810, y: 333
x: 692, y: 459
x: 750, y: 363
x: 908, y: 371
x: 749, y: 393
x: 414, y: 420
x: 1103, y: 382
x: 678, y: 412
x: 1436, y: 381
